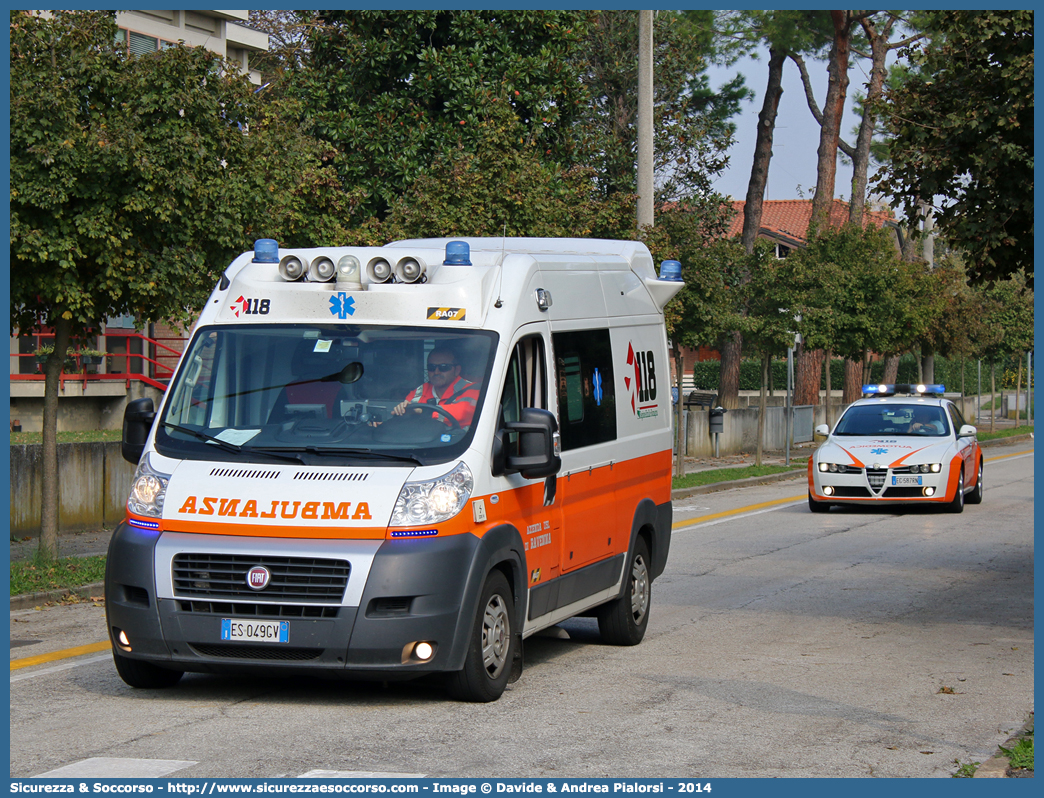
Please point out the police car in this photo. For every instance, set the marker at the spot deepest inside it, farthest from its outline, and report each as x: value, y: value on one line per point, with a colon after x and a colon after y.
x: 899, y: 444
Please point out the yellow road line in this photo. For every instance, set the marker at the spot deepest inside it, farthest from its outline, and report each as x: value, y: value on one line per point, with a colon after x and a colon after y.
x: 91, y: 648
x: 1004, y: 456
x: 737, y: 511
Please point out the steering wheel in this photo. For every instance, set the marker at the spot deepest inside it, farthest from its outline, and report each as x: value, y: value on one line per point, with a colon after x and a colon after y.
x: 419, y: 406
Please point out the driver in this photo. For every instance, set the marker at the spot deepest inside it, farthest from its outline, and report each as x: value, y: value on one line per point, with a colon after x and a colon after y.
x: 445, y: 388
x: 925, y: 422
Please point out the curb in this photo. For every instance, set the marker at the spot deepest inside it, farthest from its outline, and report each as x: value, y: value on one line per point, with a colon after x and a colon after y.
x: 1013, y: 439
x: 996, y: 767
x: 29, y: 600
x: 728, y: 484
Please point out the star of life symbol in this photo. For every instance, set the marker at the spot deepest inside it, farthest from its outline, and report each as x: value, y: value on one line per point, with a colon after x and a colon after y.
x: 878, y: 451
x: 598, y: 387
x: 342, y: 306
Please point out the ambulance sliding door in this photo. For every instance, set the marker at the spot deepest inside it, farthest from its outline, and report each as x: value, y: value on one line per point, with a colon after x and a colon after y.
x: 587, y: 423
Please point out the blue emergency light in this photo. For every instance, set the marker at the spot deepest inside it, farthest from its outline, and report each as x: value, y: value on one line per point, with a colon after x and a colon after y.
x: 904, y: 388
x: 458, y: 253
x: 266, y: 250
x: 670, y: 270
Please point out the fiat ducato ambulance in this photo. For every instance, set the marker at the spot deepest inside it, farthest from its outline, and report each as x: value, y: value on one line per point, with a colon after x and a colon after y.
x: 400, y: 461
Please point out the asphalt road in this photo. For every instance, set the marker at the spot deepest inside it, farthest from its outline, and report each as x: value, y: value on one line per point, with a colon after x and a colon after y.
x: 851, y: 644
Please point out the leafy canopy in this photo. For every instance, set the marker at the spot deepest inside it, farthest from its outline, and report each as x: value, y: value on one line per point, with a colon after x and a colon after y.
x: 961, y: 127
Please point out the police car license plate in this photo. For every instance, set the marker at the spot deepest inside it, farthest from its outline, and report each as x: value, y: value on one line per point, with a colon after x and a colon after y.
x: 255, y: 631
x: 906, y: 480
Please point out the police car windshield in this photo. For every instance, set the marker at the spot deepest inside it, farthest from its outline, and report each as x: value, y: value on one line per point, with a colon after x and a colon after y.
x: 893, y: 419
x: 327, y: 394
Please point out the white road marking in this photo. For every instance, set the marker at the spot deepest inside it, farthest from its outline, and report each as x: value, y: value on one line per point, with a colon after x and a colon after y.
x: 357, y: 774
x: 115, y: 768
x: 63, y: 667
x: 736, y: 517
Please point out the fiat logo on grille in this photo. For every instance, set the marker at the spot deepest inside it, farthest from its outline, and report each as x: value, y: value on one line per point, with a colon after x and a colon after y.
x: 258, y: 577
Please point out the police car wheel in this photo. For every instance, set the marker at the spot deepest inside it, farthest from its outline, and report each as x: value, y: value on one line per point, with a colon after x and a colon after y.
x: 957, y: 505
x: 817, y: 507
x: 975, y: 497
x: 623, y: 621
x: 488, y: 664
x: 144, y: 675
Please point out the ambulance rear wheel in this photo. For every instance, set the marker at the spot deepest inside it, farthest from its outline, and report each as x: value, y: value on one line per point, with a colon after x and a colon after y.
x: 491, y: 652
x: 623, y: 621
x: 144, y: 675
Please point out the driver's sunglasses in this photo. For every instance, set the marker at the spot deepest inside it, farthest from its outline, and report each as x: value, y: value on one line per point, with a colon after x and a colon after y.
x: 443, y: 367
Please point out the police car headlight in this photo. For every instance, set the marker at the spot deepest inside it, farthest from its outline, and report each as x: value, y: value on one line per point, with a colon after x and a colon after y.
x: 148, y: 490
x: 433, y: 501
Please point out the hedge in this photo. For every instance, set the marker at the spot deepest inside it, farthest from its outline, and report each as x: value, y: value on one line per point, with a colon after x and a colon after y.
x: 947, y: 372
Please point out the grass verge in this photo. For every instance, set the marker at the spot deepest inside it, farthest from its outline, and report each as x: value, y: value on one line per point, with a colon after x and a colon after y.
x: 31, y: 576
x: 728, y: 474
x: 88, y: 436
x: 966, y: 770
x: 1004, y: 433
x: 1020, y: 755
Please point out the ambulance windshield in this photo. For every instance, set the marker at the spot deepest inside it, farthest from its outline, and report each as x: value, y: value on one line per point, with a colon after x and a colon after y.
x: 327, y: 395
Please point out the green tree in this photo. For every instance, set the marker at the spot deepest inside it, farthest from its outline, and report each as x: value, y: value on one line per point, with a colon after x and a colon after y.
x: 133, y: 182
x: 961, y: 128
x: 393, y: 90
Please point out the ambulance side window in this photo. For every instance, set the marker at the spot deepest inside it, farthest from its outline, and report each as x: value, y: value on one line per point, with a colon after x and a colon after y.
x: 586, y: 398
x: 525, y: 386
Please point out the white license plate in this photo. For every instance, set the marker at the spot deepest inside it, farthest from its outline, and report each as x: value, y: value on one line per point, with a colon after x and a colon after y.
x: 906, y: 480
x: 255, y: 631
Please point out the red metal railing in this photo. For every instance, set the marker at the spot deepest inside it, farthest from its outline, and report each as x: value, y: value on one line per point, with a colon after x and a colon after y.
x: 153, y: 365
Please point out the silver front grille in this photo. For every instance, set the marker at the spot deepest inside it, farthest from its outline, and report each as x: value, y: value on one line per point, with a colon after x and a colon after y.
x: 876, y: 477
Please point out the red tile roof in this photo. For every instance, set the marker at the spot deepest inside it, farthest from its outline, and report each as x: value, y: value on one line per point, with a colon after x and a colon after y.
x: 789, y: 218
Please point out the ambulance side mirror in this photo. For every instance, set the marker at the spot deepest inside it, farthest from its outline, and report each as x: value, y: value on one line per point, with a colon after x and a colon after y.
x: 137, y: 421
x: 538, y: 454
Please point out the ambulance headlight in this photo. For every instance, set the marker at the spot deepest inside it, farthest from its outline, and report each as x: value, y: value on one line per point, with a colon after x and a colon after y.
x: 433, y: 501
x: 148, y: 490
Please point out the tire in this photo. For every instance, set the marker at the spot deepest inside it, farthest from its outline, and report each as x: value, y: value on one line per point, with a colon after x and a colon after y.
x: 488, y: 664
x: 975, y: 497
x: 623, y: 621
x: 957, y: 505
x: 144, y: 675
x: 817, y: 507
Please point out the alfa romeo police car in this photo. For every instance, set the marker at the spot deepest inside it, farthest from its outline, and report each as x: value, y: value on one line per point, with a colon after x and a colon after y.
x: 899, y: 444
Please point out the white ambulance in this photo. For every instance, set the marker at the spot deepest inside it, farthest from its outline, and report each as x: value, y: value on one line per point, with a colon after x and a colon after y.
x: 400, y: 461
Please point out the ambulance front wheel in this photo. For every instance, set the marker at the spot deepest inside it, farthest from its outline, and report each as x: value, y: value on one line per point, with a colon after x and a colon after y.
x: 144, y: 675
x: 623, y: 621
x: 487, y: 666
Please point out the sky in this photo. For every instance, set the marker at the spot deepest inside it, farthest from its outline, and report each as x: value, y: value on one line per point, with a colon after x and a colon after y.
x: 792, y: 170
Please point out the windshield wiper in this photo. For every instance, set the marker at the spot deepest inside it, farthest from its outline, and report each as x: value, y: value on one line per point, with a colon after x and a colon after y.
x: 344, y: 451
x: 204, y: 437
x: 231, y: 447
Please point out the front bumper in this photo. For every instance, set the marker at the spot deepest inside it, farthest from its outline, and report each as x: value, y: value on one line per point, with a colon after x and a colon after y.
x: 875, y: 486
x: 398, y: 592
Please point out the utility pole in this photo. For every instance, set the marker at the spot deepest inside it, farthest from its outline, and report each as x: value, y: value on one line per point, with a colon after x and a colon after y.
x: 645, y: 119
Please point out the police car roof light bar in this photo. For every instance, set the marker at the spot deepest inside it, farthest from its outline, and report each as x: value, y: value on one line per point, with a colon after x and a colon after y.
x: 921, y: 389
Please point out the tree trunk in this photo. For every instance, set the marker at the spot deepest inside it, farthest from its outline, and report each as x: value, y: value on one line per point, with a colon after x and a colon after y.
x: 829, y: 361
x: 833, y: 111
x: 809, y: 377
x: 891, y: 370
x: 762, y: 151
x: 853, y: 388
x: 49, y: 494
x: 861, y: 158
x: 728, y: 380
x: 762, y: 407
